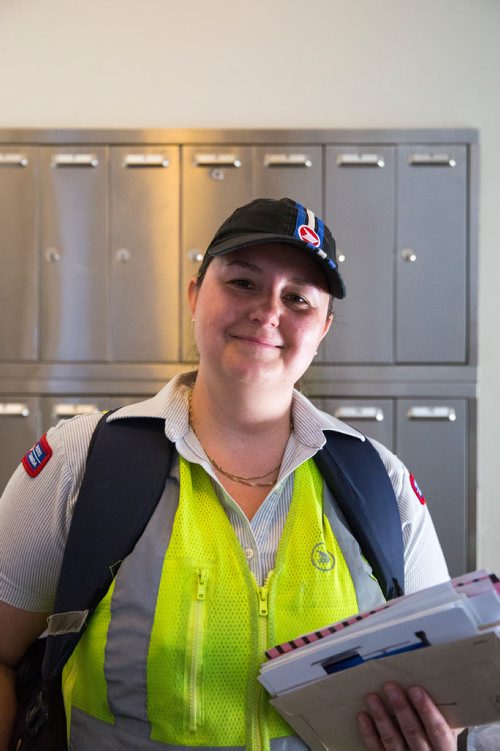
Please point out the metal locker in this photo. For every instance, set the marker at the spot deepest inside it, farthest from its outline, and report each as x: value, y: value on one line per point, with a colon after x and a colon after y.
x: 432, y: 441
x: 115, y: 402
x: 57, y: 408
x: 144, y: 296
x: 20, y: 428
x: 216, y: 179
x: 431, y: 254
x: 74, y: 253
x: 372, y: 417
x: 289, y: 171
x: 18, y: 250
x: 359, y: 209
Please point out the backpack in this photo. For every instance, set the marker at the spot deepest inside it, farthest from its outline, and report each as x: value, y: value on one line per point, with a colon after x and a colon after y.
x: 121, y: 496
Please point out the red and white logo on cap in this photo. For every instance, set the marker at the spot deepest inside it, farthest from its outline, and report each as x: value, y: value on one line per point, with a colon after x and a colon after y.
x: 308, y: 235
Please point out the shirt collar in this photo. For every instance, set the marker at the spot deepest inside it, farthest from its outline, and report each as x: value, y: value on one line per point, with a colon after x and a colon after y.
x: 310, y: 422
x: 171, y: 405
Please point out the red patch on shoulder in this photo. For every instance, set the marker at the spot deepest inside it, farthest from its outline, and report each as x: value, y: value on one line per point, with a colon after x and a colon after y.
x: 417, y: 490
x: 37, y: 457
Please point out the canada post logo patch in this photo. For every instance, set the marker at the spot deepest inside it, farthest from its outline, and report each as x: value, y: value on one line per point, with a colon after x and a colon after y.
x: 37, y: 457
x: 417, y: 490
x: 308, y: 235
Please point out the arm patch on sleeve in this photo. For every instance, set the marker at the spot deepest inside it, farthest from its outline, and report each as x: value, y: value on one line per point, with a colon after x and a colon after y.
x: 417, y: 490
x: 37, y: 457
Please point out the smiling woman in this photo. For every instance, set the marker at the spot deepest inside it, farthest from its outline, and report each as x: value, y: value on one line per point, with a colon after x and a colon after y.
x: 229, y: 563
x: 269, y: 301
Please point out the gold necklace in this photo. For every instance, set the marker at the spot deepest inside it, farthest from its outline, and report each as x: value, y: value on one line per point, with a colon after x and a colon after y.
x: 236, y: 478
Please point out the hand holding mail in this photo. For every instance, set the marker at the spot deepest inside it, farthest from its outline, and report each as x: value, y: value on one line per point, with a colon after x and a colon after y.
x: 405, y: 720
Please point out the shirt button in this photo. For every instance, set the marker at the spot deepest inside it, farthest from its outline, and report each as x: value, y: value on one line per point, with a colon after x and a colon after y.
x: 248, y: 553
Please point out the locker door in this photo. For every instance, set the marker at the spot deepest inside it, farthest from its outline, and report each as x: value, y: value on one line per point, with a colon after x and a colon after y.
x: 432, y: 441
x: 57, y: 408
x: 74, y: 248
x: 145, y: 254
x: 372, y: 417
x: 215, y: 181
x: 20, y: 428
x: 286, y: 171
x: 432, y: 263
x: 18, y: 254
x: 360, y: 212
x: 115, y: 402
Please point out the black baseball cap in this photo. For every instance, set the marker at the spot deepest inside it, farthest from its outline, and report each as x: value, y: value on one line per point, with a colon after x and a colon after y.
x: 267, y: 220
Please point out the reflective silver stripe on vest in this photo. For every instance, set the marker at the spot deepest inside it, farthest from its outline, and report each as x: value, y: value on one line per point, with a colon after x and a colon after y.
x: 91, y: 734
x: 127, y: 693
x: 368, y: 592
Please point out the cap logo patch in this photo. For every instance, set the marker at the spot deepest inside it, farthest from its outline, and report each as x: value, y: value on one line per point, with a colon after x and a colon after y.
x: 417, y: 490
x: 37, y: 457
x: 308, y: 235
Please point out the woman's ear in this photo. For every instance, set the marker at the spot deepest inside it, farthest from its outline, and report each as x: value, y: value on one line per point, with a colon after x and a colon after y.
x: 193, y: 290
x: 327, y: 325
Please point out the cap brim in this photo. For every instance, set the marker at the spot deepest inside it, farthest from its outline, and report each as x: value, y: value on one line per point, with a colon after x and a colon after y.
x: 335, y: 282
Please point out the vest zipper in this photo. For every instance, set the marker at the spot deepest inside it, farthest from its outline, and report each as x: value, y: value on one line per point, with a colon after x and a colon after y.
x: 259, y: 735
x: 196, y: 650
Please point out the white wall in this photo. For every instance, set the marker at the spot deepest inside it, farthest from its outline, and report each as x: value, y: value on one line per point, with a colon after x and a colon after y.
x: 278, y: 63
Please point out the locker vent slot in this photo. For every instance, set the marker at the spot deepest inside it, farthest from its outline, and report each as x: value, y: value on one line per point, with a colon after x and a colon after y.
x: 13, y: 160
x: 432, y: 160
x: 216, y: 160
x: 287, y: 160
x: 360, y: 160
x: 145, y: 160
x: 75, y: 160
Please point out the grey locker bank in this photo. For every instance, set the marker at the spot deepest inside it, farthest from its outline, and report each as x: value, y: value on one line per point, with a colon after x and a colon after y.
x: 101, y: 230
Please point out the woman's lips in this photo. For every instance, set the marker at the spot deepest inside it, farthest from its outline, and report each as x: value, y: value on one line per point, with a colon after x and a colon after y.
x: 256, y: 340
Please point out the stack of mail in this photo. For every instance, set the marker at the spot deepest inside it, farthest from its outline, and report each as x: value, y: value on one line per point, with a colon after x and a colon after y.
x: 445, y: 638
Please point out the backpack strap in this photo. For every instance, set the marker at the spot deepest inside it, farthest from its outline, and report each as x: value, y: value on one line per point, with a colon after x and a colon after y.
x: 358, y: 480
x: 127, y: 467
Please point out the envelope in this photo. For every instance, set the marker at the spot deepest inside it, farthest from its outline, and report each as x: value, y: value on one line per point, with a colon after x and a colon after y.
x: 462, y: 677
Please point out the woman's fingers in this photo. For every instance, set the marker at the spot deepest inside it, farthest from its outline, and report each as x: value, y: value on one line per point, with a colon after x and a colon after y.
x: 369, y: 732
x: 438, y: 731
x: 394, y: 720
x: 403, y: 720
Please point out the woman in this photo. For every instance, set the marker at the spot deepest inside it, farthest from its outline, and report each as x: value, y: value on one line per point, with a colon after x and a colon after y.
x: 171, y: 655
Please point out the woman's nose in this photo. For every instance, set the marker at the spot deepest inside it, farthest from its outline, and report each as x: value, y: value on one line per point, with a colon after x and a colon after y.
x: 267, y: 310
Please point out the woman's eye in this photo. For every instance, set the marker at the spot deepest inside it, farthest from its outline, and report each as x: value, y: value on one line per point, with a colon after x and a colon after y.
x: 298, y: 300
x: 242, y: 283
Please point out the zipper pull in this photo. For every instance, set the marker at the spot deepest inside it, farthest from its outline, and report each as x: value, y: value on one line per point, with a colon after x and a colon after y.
x: 201, y: 590
x: 263, y: 593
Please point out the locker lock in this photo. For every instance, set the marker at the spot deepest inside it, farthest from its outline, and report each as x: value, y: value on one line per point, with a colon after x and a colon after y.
x: 408, y: 255
x: 52, y: 255
x: 195, y: 256
x: 217, y: 173
x: 123, y: 255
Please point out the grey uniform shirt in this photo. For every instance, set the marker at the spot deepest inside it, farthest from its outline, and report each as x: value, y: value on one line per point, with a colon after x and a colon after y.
x: 35, y: 512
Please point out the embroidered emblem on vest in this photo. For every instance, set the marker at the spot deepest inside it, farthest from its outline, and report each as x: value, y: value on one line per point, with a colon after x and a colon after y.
x: 321, y: 558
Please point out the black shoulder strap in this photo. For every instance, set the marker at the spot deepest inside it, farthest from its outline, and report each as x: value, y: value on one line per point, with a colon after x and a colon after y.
x: 127, y: 467
x: 355, y: 474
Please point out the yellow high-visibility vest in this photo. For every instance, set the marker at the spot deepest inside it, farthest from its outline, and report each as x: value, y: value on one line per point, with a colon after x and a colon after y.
x: 173, y: 650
